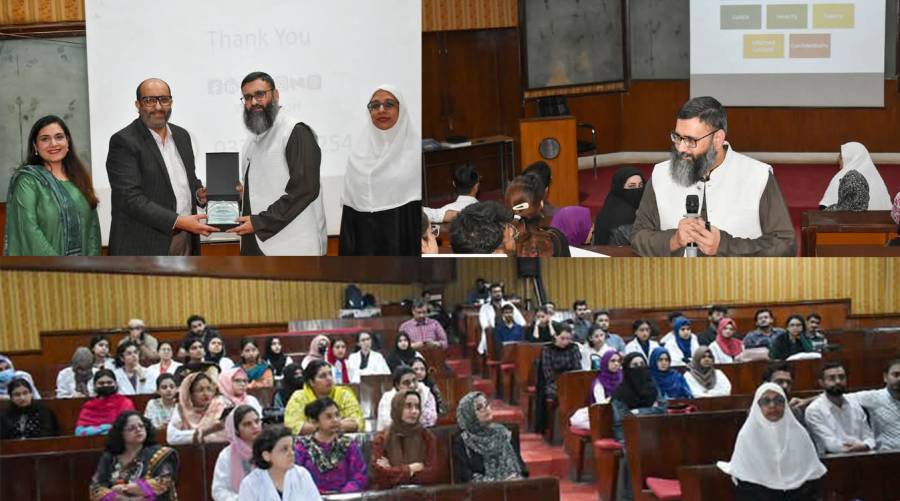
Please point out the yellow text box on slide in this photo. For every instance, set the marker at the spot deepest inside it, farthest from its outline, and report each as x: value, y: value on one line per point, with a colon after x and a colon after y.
x: 833, y: 15
x: 763, y: 46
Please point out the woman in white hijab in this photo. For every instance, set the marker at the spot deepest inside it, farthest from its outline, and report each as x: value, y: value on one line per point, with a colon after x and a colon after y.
x: 382, y: 193
x: 773, y: 457
x: 855, y: 156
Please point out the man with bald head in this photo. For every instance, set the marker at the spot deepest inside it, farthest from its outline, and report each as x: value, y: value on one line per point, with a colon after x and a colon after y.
x: 155, y: 191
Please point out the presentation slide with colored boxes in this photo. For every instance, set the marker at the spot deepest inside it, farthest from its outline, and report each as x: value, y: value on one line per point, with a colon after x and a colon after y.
x: 833, y: 15
x: 809, y: 46
x: 741, y: 17
x: 787, y: 16
x: 763, y: 46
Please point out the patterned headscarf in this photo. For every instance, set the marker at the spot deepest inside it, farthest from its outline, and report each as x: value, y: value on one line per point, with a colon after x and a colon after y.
x: 490, y: 440
x: 853, y: 193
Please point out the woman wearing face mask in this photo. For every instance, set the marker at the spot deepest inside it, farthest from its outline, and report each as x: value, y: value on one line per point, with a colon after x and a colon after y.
x: 276, y: 477
x: 404, y: 453
x: 334, y: 460
x: 483, y: 451
x: 233, y: 385
x: 131, y: 378
x: 337, y: 357
x: 292, y: 382
x: 637, y: 394
x: 159, y: 410
x: 200, y: 412
x: 8, y: 372
x: 25, y: 417
x: 76, y: 381
x: 98, y: 414
x: 773, y: 458
x: 235, y: 461
x: 317, y: 350
x: 214, y: 350
x: 403, y: 353
x: 365, y: 361
x: 319, y: 383
x: 276, y: 358
x: 613, y: 223
x: 166, y: 364
x: 133, y: 466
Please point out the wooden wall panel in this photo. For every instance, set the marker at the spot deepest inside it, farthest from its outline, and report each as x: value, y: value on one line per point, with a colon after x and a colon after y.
x: 659, y: 283
x: 446, y: 15
x: 40, y: 11
x: 32, y: 302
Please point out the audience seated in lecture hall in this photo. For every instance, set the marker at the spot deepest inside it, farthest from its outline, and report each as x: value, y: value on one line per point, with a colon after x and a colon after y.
x: 275, y: 475
x: 366, y: 361
x: 815, y: 333
x: 133, y: 466
x: 714, y: 314
x: 583, y: 322
x: 542, y: 329
x: 424, y: 377
x: 319, y: 383
x: 233, y: 385
x: 838, y: 423
x: 726, y: 348
x: 792, y: 342
x: 198, y: 329
x: 637, y: 393
x: 765, y: 332
x: 484, y: 228
x: 290, y: 383
x: 429, y: 239
x: 8, y: 372
x: 166, y: 364
x: 574, y: 222
x: 318, y: 347
x: 672, y: 317
x: 334, y: 459
x: 423, y: 332
x: 855, y: 157
x: 609, y: 377
x: 405, y: 452
x: 404, y: 379
x: 507, y: 330
x: 613, y: 223
x: 601, y: 319
x: 883, y: 407
x: 466, y: 182
x: 99, y: 345
x: 131, y: 377
x: 594, y: 349
x: 98, y: 413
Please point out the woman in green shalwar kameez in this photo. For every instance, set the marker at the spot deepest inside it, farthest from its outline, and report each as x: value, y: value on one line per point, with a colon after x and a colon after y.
x: 51, y: 206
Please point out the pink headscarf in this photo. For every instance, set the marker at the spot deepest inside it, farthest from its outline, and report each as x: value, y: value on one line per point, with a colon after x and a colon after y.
x: 241, y: 452
x: 226, y: 385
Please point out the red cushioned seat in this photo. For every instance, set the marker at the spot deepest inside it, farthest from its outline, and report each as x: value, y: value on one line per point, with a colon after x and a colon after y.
x: 493, y: 363
x: 664, y: 489
x: 607, y: 444
x: 507, y: 367
x: 581, y: 432
x: 530, y: 389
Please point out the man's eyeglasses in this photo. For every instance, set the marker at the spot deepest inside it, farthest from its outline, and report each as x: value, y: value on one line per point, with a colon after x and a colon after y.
x: 258, y: 95
x: 387, y: 105
x: 689, y: 142
x: 150, y: 101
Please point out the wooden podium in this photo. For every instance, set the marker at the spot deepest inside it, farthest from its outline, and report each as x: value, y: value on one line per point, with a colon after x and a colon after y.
x: 552, y: 139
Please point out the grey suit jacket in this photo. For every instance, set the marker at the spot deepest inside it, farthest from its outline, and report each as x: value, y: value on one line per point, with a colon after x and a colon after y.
x: 143, y: 201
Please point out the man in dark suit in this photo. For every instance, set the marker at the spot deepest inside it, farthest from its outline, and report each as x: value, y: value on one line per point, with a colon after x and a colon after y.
x: 155, y: 191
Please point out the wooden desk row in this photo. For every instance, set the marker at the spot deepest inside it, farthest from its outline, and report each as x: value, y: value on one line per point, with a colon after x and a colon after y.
x: 65, y: 473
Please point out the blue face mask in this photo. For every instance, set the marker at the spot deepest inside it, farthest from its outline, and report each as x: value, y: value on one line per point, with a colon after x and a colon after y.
x: 6, y: 376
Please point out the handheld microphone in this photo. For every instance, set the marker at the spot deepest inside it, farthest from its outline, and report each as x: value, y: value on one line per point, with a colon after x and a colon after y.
x: 692, y: 209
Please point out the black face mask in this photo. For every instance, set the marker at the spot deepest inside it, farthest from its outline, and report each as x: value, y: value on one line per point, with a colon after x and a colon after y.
x: 633, y: 196
x: 322, y: 349
x: 105, y: 391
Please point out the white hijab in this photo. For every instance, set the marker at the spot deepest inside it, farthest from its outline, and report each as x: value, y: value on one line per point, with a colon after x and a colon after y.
x: 856, y: 157
x: 384, y: 170
x: 777, y: 455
